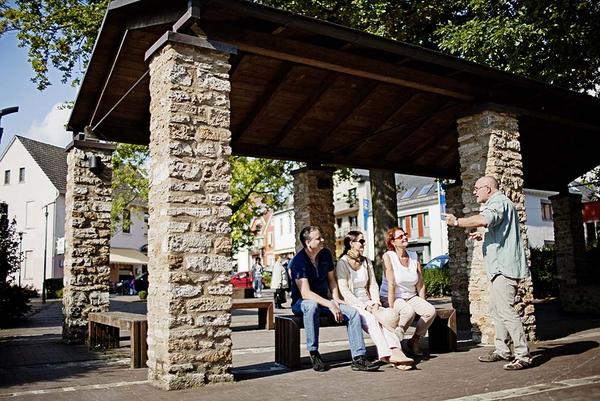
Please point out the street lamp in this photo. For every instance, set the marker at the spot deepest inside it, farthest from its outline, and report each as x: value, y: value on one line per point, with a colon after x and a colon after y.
x: 6, y: 111
x: 20, y: 254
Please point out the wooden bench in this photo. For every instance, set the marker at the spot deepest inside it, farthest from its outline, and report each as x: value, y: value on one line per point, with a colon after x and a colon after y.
x: 442, y: 335
x: 264, y: 306
x: 104, y: 331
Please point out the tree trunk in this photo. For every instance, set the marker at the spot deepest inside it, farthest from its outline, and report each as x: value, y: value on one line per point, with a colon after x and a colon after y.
x: 385, y: 212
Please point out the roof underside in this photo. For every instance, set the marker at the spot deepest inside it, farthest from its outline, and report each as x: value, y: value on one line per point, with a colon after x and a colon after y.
x: 310, y: 91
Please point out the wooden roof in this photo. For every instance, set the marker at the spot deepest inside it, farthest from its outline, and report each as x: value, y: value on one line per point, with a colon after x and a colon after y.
x: 312, y: 91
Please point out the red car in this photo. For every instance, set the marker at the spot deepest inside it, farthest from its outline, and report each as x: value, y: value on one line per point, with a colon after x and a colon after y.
x: 243, y: 280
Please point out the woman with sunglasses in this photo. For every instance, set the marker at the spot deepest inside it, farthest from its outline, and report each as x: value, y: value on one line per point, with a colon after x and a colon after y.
x: 359, y: 289
x: 402, y: 287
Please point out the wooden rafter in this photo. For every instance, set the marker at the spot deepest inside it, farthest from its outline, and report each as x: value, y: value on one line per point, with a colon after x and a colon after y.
x: 419, y: 125
x: 259, y: 107
x: 343, y: 62
x: 356, y: 103
x: 326, y: 82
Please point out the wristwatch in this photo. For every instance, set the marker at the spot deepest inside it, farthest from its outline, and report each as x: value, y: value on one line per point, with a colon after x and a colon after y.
x: 456, y: 222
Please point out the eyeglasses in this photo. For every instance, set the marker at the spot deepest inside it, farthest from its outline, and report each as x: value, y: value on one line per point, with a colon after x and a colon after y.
x: 400, y: 236
x: 362, y: 241
x: 478, y: 188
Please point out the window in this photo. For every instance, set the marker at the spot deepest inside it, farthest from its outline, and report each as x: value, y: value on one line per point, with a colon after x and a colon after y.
x: 338, y: 222
x: 146, y: 225
x: 126, y: 221
x: 425, y: 219
x: 546, y: 207
x: 270, y: 239
x: 353, y: 221
x: 30, y: 214
x: 28, y: 265
x: 22, y: 174
x: 352, y: 199
x: 290, y: 224
x: 6, y: 177
x: 409, y: 193
x: 425, y: 190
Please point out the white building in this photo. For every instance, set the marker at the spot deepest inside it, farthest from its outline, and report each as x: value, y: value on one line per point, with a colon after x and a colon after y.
x: 540, y: 226
x: 34, y: 180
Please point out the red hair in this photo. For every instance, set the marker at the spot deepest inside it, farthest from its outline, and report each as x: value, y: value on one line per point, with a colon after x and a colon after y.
x: 389, y: 237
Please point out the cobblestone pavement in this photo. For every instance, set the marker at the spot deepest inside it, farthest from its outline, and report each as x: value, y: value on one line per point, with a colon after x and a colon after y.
x: 36, y: 365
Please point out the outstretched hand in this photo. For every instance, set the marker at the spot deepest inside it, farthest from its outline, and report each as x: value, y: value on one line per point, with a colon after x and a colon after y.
x: 475, y: 236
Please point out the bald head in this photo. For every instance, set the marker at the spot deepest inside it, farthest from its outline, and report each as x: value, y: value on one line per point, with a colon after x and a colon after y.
x: 489, y: 181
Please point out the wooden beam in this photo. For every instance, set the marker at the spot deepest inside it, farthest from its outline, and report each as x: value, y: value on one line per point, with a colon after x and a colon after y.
x: 355, y: 103
x: 108, y: 77
x: 401, y: 106
x: 260, y: 104
x: 342, y: 62
x: 326, y: 82
x: 441, y: 109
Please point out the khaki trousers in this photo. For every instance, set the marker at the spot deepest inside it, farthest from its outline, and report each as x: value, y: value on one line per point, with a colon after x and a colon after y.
x: 506, y: 319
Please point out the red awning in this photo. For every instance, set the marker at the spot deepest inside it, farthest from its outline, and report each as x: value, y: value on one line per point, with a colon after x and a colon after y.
x: 591, y: 211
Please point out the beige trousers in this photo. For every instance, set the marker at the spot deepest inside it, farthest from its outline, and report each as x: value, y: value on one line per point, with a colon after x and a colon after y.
x: 407, y: 309
x: 506, y: 319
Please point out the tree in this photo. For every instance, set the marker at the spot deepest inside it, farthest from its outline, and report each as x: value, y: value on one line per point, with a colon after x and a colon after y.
x: 130, y: 181
x: 9, y: 250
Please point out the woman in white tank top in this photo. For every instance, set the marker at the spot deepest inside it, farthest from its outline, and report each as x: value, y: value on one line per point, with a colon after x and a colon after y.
x: 358, y: 288
x: 402, y: 287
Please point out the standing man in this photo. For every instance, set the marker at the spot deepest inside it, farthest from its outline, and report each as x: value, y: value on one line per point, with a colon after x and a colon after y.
x: 257, y: 275
x: 279, y: 282
x: 314, y: 293
x: 505, y: 265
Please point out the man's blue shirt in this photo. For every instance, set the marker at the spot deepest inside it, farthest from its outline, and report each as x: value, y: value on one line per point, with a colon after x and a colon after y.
x: 301, y: 267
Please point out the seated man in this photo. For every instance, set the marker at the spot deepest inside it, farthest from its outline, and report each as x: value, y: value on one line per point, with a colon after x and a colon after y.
x: 312, y: 270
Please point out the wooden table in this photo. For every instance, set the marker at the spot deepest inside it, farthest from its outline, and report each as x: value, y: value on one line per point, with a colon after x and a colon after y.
x: 264, y: 306
x: 104, y: 330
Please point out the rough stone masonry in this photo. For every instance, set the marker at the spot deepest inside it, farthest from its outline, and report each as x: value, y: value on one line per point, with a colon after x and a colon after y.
x: 189, y: 245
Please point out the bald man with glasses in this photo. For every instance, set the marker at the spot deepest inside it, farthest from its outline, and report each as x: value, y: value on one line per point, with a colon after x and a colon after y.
x: 505, y: 265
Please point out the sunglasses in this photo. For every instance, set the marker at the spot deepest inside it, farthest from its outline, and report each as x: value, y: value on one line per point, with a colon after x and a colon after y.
x: 401, y: 236
x: 362, y: 241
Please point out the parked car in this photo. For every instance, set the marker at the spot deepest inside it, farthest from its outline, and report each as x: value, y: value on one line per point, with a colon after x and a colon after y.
x: 244, y: 279
x: 439, y: 262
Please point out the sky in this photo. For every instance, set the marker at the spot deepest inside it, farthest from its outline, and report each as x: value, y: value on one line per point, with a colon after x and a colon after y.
x: 39, y: 116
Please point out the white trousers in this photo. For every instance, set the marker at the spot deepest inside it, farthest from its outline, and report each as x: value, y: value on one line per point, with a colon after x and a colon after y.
x: 383, y: 338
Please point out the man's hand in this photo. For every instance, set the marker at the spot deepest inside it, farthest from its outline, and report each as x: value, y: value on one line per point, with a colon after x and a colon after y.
x: 450, y: 218
x: 335, y: 309
x: 475, y: 236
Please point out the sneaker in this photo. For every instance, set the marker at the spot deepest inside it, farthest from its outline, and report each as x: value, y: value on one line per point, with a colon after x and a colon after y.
x: 361, y: 363
x: 492, y: 357
x: 317, y: 362
x: 517, y: 364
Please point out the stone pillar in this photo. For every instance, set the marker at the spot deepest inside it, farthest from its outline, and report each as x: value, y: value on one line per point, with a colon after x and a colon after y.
x: 87, y: 236
x: 189, y: 244
x: 313, y: 203
x: 385, y: 212
x: 489, y: 145
x: 457, y: 250
x: 569, y: 246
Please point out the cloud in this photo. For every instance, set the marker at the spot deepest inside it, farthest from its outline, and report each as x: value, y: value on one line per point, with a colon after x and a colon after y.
x: 52, y: 128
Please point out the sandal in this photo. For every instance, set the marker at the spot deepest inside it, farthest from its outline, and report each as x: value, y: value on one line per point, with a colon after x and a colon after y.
x: 404, y: 366
x: 517, y: 364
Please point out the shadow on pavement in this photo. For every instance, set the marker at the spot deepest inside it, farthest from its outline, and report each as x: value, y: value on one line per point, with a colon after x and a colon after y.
x: 553, y: 322
x: 545, y: 353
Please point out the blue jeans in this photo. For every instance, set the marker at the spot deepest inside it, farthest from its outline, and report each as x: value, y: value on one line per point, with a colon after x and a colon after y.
x: 312, y: 311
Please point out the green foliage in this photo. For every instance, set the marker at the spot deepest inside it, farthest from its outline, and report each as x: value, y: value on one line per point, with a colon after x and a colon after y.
x: 57, y: 33
x: 130, y: 181
x: 143, y: 294
x: 9, y: 250
x: 544, y: 272
x: 53, y: 286
x: 553, y: 41
x: 437, y: 282
x: 257, y: 185
x: 14, y: 303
